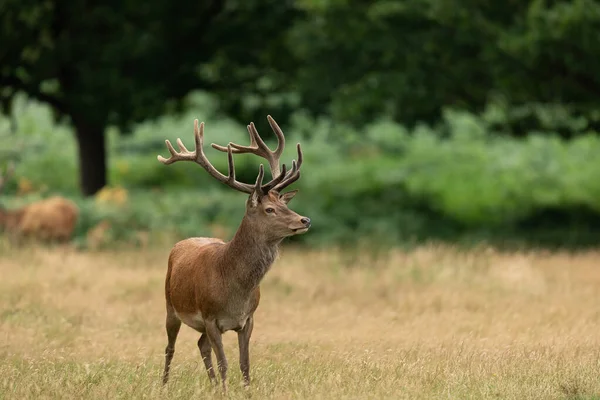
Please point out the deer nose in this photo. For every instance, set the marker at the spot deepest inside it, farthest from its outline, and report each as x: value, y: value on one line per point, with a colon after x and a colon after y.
x: 305, y: 221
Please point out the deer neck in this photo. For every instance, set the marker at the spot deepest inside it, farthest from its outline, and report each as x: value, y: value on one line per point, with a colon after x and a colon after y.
x: 250, y: 256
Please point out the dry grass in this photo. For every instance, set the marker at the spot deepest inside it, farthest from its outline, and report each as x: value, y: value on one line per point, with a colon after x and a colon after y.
x: 432, y: 323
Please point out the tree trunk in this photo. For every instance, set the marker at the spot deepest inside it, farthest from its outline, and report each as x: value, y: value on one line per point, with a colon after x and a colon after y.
x: 92, y: 158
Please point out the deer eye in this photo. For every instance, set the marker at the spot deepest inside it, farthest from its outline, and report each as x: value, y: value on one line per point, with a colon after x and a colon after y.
x: 269, y: 210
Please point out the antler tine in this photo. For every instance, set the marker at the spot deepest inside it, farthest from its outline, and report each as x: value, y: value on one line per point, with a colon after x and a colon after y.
x: 239, y: 149
x: 259, y: 178
x: 280, y: 137
x: 259, y: 147
x: 281, y: 178
x: 292, y: 177
x: 270, y: 185
x: 184, y: 154
x: 294, y: 174
x: 199, y: 157
x: 230, y: 165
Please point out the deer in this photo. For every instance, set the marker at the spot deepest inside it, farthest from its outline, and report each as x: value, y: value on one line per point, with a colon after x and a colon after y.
x: 50, y: 219
x: 213, y: 286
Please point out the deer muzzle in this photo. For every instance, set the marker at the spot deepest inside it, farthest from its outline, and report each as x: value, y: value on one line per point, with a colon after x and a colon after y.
x: 305, y: 221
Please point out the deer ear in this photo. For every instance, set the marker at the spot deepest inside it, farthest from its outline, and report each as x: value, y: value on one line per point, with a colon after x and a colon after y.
x: 254, y: 198
x: 286, y: 197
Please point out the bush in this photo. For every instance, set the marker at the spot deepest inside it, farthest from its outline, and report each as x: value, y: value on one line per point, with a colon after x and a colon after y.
x: 462, y: 180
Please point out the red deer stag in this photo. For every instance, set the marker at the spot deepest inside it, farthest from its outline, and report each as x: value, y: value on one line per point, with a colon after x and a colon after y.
x: 51, y: 219
x: 213, y: 286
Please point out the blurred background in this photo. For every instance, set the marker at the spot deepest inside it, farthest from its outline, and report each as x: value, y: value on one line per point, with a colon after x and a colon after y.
x: 444, y: 120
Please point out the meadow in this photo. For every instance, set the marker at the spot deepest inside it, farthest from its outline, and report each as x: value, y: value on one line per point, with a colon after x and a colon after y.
x: 430, y: 323
x: 390, y: 316
x: 406, y: 143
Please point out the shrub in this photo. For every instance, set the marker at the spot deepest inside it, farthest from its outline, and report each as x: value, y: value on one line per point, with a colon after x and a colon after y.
x: 461, y: 180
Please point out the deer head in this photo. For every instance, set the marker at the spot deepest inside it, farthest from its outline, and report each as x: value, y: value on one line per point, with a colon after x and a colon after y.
x: 267, y: 209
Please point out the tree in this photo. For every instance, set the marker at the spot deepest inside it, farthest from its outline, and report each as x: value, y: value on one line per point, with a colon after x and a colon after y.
x: 409, y: 59
x: 120, y: 62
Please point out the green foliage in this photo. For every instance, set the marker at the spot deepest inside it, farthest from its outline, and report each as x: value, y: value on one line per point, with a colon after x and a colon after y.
x: 119, y: 63
x: 460, y: 181
x: 410, y: 59
x: 522, y: 72
x: 353, y: 62
x: 350, y: 60
x: 124, y: 62
x: 177, y: 213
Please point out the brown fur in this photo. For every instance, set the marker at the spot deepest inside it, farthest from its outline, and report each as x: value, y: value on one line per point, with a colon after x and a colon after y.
x: 51, y: 219
x: 220, y: 280
x: 213, y: 286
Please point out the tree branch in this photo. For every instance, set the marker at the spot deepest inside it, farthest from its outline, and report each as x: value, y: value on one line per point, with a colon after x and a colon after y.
x: 35, y: 92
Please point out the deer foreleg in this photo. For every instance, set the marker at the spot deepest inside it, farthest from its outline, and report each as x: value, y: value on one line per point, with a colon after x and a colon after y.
x: 244, y: 345
x: 206, y: 353
x: 214, y: 336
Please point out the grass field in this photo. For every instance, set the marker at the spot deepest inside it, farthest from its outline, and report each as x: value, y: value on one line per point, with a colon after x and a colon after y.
x: 431, y: 323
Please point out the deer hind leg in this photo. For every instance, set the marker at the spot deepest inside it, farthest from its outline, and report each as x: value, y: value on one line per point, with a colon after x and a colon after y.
x: 172, y: 325
x: 244, y: 345
x: 206, y: 353
x: 214, y: 336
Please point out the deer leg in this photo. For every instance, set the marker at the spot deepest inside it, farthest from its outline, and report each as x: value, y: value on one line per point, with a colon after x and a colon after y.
x: 206, y: 353
x: 214, y: 336
x: 244, y: 344
x: 172, y: 324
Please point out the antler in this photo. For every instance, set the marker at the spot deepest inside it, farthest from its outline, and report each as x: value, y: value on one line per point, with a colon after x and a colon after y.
x: 294, y: 174
x: 199, y: 157
x: 259, y: 148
